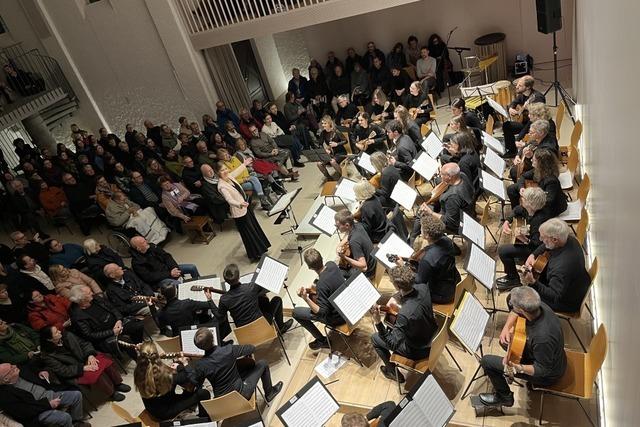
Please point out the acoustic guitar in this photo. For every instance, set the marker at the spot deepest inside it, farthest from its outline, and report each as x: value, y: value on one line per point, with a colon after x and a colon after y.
x: 197, y: 288
x: 538, y: 266
x: 516, y: 346
x: 390, y: 315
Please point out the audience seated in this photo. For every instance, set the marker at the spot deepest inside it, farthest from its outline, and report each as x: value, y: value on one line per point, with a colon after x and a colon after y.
x: 9, y: 310
x: 122, y: 212
x: 48, y: 310
x: 67, y: 254
x: 34, y: 247
x: 18, y: 343
x: 155, y: 266
x: 98, y: 256
x: 64, y: 279
x: 123, y: 286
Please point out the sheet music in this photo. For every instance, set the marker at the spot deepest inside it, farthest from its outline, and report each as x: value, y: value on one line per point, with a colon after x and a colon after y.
x: 573, y: 211
x: 425, y: 165
x: 357, y: 298
x: 313, y: 409
x: 493, y: 185
x: 364, y: 161
x: 404, y: 195
x: 324, y: 220
x: 481, y: 266
x: 344, y: 190
x: 499, y: 108
x: 271, y: 275
x: 494, y: 162
x: 284, y: 201
x: 185, y: 292
x: 473, y: 230
x: 470, y: 322
x: 432, y: 145
x: 393, y: 245
x: 410, y: 416
x: 492, y: 143
x: 433, y: 402
x: 186, y: 340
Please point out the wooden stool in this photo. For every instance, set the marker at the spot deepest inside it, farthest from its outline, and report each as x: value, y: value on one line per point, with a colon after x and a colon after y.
x: 197, y: 226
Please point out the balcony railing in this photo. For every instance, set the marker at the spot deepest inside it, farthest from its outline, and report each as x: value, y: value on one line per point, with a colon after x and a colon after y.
x: 204, y: 15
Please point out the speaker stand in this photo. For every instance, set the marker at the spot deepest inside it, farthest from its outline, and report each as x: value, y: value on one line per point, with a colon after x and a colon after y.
x: 557, y: 86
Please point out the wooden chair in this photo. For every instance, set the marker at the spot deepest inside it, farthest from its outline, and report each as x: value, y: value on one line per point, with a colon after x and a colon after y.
x: 438, y: 344
x: 259, y: 332
x: 446, y: 310
x: 433, y: 116
x: 559, y: 118
x: 148, y: 420
x: 580, y: 375
x: 567, y: 177
x: 124, y: 414
x: 170, y: 345
x: 485, y: 220
x: 576, y: 133
x: 581, y: 200
x: 379, y: 274
x: 424, y: 129
x: 581, y: 228
x: 489, y: 125
x: 593, y: 272
x: 230, y: 405
x: 344, y: 331
x: 201, y: 229
x: 347, y: 146
x: 375, y: 422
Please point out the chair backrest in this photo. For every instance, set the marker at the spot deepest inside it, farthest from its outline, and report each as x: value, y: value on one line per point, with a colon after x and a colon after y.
x: 347, y: 146
x: 412, y: 180
x: 593, y: 270
x: 484, y: 219
x: 148, y: 420
x: 583, y: 189
x: 576, y: 133
x: 467, y: 284
x: 595, y: 357
x: 435, y: 110
x: 559, y: 118
x: 574, y: 159
x: 379, y: 274
x: 123, y: 413
x: 255, y: 333
x: 424, y: 129
x: 227, y: 406
x: 438, y: 342
x: 489, y: 125
x: 170, y: 345
x: 581, y: 228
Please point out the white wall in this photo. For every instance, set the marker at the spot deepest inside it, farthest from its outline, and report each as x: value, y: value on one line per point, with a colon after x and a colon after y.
x: 606, y: 70
x: 515, y: 18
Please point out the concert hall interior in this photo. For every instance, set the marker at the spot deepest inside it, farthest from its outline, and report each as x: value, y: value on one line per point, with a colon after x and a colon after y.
x: 318, y: 212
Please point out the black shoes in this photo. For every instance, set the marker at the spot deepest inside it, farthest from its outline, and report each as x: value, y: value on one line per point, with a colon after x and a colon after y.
x: 286, y: 326
x: 298, y: 164
x: 318, y: 344
x: 494, y: 399
x: 506, y: 283
x: 122, y: 387
x: 274, y: 392
x: 391, y: 374
x: 117, y: 397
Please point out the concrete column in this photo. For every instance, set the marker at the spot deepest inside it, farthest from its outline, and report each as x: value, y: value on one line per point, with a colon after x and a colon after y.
x: 39, y: 133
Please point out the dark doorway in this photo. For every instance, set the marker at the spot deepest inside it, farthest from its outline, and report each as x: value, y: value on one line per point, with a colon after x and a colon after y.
x: 250, y: 71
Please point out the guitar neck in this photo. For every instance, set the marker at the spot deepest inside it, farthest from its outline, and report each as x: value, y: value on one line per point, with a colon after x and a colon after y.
x: 197, y: 288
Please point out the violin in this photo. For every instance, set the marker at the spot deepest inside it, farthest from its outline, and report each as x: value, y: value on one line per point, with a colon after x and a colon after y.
x: 413, y: 260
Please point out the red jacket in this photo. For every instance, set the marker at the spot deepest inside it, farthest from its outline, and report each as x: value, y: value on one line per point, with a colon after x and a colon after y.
x: 54, y: 312
x: 52, y: 200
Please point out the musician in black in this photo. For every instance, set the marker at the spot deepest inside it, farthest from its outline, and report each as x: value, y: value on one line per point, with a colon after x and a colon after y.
x: 247, y: 302
x: 531, y: 210
x: 537, y: 111
x: 415, y: 325
x: 461, y: 148
x: 122, y: 287
x: 360, y: 244
x: 220, y: 366
x: 361, y: 133
x: 540, y: 136
x: 389, y: 175
x: 416, y: 98
x: 437, y: 266
x: 543, y: 361
x: 347, y: 111
x: 334, y: 143
x: 404, y: 150
x: 370, y: 213
x: 545, y: 172
x: 320, y: 309
x: 458, y: 198
x: 564, y: 282
x: 525, y: 94
x: 459, y: 107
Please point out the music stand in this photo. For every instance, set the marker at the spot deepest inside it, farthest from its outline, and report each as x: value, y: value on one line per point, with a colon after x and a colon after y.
x: 283, y: 207
x: 316, y: 155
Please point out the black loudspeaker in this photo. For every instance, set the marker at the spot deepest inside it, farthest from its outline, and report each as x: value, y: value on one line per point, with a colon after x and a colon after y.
x: 549, y: 15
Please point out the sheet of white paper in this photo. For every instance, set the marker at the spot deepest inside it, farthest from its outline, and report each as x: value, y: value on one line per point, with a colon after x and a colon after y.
x: 499, y: 108
x: 186, y: 341
x: 425, y: 165
x: 470, y: 323
x: 185, y: 292
x: 328, y: 367
x: 394, y: 245
x: 494, y: 162
x: 404, y: 195
x: 573, y: 212
x: 473, y: 230
x: 283, y: 202
x: 313, y: 409
x: 566, y: 180
x: 493, y: 185
x: 481, y: 266
x: 433, y: 402
x: 209, y: 424
x: 364, y: 161
x: 271, y: 275
x: 410, y: 416
x: 492, y: 143
x: 484, y: 90
x: 344, y: 190
x: 324, y: 219
x: 258, y: 424
x: 357, y: 299
x: 432, y: 145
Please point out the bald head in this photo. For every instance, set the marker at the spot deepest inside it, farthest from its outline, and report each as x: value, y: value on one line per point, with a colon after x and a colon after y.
x: 113, y: 271
x: 452, y: 170
x: 140, y: 244
x: 8, y: 373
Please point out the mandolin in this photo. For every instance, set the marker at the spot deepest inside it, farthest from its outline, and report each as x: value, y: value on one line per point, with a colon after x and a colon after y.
x: 390, y: 314
x: 197, y: 288
x: 516, y: 346
x: 362, y: 144
x: 345, y: 250
x: 147, y: 299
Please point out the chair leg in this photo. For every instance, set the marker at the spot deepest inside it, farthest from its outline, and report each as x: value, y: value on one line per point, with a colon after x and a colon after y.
x: 281, y: 340
x: 397, y: 372
x: 589, y: 310
x: 492, y: 236
x: 541, y: 408
x: 355, y: 356
x: 577, y: 336
x: 326, y: 334
x: 454, y: 359
x: 585, y: 412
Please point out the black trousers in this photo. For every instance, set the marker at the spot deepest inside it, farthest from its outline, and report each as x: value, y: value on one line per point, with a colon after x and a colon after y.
x: 272, y: 309
x: 180, y: 402
x: 251, y: 376
x: 384, y: 352
x: 513, y: 192
x: 493, y: 367
x: 510, y: 129
x: 508, y: 255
